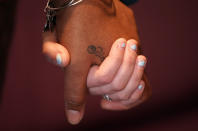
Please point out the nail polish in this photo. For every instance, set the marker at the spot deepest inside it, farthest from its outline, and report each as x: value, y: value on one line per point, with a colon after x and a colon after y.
x: 140, y: 87
x: 123, y: 45
x: 141, y: 63
x: 58, y: 59
x: 133, y: 47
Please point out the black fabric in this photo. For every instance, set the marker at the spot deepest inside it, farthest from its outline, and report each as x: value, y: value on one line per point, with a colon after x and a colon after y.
x: 128, y: 2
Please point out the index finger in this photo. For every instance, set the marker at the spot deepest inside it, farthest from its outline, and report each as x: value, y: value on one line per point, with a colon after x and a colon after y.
x: 108, y: 69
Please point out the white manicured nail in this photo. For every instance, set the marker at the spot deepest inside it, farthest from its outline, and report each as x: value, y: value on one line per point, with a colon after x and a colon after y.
x: 133, y: 47
x: 58, y: 59
x: 141, y: 63
x: 123, y: 45
x: 140, y: 87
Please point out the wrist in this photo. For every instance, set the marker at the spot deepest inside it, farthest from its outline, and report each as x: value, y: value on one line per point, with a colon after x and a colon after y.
x: 59, y: 3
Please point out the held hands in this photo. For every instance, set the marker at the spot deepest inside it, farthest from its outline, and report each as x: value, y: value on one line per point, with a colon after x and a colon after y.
x: 88, y: 31
x: 120, y: 75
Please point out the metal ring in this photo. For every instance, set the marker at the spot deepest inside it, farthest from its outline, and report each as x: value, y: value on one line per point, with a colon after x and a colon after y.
x: 106, y: 97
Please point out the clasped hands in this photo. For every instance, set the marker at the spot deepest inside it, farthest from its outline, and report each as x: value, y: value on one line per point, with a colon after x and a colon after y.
x: 121, y: 74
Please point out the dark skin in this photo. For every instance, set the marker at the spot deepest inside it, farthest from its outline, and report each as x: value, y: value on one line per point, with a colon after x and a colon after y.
x: 97, y: 24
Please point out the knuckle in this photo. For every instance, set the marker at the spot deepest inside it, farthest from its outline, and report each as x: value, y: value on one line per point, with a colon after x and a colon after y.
x: 115, y: 57
x: 73, y: 105
x: 105, y: 79
x: 129, y: 61
x: 136, y: 80
x: 123, y: 96
x: 130, y: 12
x: 116, y: 86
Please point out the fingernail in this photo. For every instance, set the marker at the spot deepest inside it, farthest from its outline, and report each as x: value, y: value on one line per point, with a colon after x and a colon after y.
x: 58, y: 59
x: 133, y: 47
x: 73, y: 117
x: 123, y: 45
x: 141, y: 63
x: 140, y: 87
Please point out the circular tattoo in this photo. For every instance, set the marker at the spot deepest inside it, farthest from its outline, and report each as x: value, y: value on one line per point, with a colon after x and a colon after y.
x: 91, y: 49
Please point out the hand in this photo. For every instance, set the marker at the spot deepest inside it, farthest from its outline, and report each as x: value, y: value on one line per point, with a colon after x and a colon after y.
x: 77, y: 32
x: 120, y: 76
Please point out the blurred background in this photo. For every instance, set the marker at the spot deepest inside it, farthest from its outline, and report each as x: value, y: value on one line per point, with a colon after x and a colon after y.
x: 32, y: 93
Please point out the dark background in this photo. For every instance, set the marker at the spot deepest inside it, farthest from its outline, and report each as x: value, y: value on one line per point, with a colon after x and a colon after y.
x: 33, y: 90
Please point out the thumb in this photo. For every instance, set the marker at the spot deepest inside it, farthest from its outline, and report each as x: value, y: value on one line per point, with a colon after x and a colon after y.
x: 54, y: 52
x: 75, y: 90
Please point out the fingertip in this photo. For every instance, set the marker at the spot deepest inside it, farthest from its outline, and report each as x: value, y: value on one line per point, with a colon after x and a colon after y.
x: 136, y: 96
x: 138, y: 92
x: 120, y: 43
x: 132, y: 41
x: 133, y: 44
x: 73, y: 117
x: 141, y: 61
x: 141, y: 85
x: 120, y: 40
x: 62, y: 58
x: 118, y: 47
x: 142, y: 57
x: 58, y: 59
x: 56, y: 54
